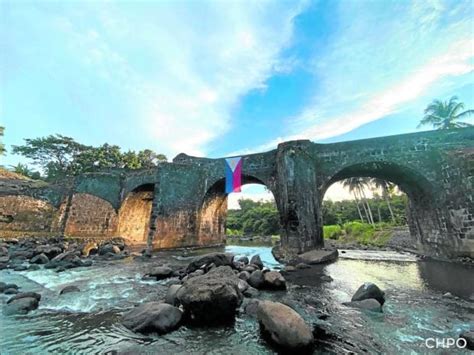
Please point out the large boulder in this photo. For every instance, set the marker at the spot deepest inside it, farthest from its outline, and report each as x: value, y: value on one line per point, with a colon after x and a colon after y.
x: 24, y: 295
x: 257, y: 261
x: 48, y: 250
x: 369, y: 290
x: 211, y: 298
x: 171, y: 295
x: 256, y: 279
x: 152, y: 317
x: 90, y: 248
x: 218, y: 259
x: 273, y: 280
x: 39, y: 259
x: 283, y: 326
x: 20, y: 306
x: 318, y: 256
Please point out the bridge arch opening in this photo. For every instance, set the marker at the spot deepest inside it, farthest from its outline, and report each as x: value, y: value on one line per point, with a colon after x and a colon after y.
x: 135, y: 213
x: 213, y: 217
x: 411, y: 191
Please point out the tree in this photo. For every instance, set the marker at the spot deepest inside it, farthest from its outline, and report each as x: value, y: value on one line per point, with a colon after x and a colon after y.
x: 357, y: 186
x: 60, y: 156
x: 446, y: 114
x: 55, y: 154
x: 24, y: 170
x: 2, y: 146
x: 386, y: 187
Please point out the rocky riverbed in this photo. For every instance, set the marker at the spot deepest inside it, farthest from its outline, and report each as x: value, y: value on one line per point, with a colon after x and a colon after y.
x: 237, y: 299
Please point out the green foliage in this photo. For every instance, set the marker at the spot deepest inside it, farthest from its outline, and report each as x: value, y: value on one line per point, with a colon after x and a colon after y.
x: 59, y: 156
x: 2, y: 146
x: 361, y: 232
x: 254, y: 218
x: 23, y: 169
x: 332, y: 232
x: 446, y: 114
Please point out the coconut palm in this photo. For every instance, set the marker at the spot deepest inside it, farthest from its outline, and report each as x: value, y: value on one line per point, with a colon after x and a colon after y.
x: 386, y: 187
x: 446, y: 114
x: 357, y: 186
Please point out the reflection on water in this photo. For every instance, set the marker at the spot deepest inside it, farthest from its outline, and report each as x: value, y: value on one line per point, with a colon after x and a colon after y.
x: 89, y: 321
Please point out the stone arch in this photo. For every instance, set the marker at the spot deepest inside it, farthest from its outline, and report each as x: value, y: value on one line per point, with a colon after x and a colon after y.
x: 211, y: 221
x: 135, y: 213
x: 22, y: 214
x: 90, y: 216
x: 422, y: 214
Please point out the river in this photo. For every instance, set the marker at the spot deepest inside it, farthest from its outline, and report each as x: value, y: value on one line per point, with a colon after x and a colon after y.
x: 89, y: 321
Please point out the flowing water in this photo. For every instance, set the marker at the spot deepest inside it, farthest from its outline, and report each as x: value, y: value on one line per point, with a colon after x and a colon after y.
x: 89, y: 321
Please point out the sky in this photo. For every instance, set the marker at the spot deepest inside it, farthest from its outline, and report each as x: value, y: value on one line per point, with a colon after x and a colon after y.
x: 218, y: 78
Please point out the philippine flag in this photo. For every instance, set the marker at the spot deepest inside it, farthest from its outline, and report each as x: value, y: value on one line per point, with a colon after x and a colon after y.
x: 233, y: 175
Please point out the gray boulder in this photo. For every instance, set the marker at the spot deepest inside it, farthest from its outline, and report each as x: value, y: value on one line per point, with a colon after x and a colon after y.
x: 257, y: 261
x: 256, y: 279
x: 39, y: 259
x: 20, y: 306
x: 171, y: 295
x: 211, y: 298
x: 283, y: 326
x: 369, y: 290
x: 24, y: 295
x: 153, y: 317
x: 69, y: 289
x: 218, y: 259
x: 274, y: 280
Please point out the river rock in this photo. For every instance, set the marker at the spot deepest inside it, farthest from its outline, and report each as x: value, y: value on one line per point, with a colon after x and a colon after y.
x: 25, y: 295
x: 218, y: 259
x: 10, y: 291
x: 109, y: 249
x: 153, y: 317
x: 289, y: 268
x: 256, y: 279
x: 244, y: 260
x: 160, y: 272
x: 257, y: 261
x: 369, y: 304
x: 283, y: 326
x: 369, y: 290
x: 274, y: 280
x: 243, y: 285
x: 250, y: 307
x: 20, y: 306
x: 318, y: 256
x: 69, y: 289
x: 68, y: 255
x: 211, y: 298
x: 39, y: 259
x: 171, y: 295
x: 468, y: 336
x: 49, y: 251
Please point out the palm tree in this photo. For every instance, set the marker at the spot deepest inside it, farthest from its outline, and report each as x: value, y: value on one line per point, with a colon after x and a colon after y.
x: 385, y: 186
x: 357, y: 185
x: 445, y: 114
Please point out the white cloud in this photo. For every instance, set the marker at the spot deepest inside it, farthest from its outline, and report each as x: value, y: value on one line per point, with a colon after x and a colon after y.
x: 184, y: 67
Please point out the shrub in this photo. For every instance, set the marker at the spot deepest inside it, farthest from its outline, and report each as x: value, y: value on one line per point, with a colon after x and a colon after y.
x: 332, y: 232
x: 362, y: 232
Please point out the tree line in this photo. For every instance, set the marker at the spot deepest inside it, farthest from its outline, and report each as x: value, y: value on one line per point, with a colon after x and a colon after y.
x: 59, y: 156
x: 262, y: 218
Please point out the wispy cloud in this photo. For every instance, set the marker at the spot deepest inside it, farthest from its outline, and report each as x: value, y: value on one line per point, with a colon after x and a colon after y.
x: 379, y: 64
x: 192, y: 63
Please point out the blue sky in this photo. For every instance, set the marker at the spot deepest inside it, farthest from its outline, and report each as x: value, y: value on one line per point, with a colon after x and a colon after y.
x: 215, y: 78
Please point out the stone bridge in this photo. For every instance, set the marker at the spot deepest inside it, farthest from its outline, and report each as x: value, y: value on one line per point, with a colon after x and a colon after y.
x: 183, y: 204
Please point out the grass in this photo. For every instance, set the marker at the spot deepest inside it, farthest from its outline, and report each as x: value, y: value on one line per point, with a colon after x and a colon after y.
x: 360, y: 233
